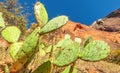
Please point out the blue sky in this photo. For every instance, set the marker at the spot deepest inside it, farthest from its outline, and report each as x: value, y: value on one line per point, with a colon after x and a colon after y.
x: 83, y: 11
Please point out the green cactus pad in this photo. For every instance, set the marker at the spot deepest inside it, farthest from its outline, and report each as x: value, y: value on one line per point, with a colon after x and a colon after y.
x: 14, y: 48
x: 11, y: 34
x: 41, y: 14
x: 48, y: 49
x: 46, y: 67
x: 64, y: 43
x: 7, y: 69
x: 87, y: 41
x: 67, y: 70
x: 68, y: 54
x: 54, y: 24
x: 2, y: 23
x: 29, y: 44
x: 95, y: 50
x: 42, y: 52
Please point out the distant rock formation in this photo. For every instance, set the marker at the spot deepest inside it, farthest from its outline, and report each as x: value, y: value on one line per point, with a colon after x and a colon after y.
x: 110, y: 23
x: 113, y: 14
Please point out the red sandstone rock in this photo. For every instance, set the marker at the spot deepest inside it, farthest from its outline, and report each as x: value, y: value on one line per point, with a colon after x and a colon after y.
x: 83, y: 31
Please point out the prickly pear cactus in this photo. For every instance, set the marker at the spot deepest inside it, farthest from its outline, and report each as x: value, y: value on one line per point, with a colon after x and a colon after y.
x: 11, y: 34
x: 29, y: 44
x: 46, y: 67
x: 2, y: 23
x: 87, y: 41
x: 54, y: 24
x: 40, y: 14
x: 67, y: 54
x: 95, y: 50
x: 14, y: 48
x: 42, y: 52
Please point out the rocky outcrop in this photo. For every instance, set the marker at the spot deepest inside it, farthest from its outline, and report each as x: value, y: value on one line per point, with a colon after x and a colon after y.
x: 115, y: 13
x: 82, y: 31
x: 110, y: 23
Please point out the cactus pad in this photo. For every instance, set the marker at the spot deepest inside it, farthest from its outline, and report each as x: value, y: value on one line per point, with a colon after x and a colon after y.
x: 46, y: 67
x: 11, y: 34
x: 68, y: 54
x: 14, y: 48
x: 64, y: 43
x: 54, y: 24
x: 87, y: 41
x: 95, y: 50
x: 41, y: 14
x: 29, y: 44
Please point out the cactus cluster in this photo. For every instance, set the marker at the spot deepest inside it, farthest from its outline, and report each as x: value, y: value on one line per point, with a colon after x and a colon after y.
x: 67, y: 50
